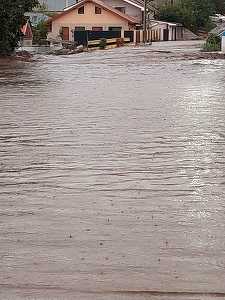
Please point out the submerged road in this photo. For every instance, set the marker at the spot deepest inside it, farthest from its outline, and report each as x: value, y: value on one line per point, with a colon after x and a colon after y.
x: 112, y: 176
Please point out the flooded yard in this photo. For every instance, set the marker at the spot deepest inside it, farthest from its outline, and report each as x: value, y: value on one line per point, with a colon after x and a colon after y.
x: 112, y: 176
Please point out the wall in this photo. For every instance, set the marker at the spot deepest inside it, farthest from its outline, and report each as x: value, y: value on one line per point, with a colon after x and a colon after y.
x: 88, y: 20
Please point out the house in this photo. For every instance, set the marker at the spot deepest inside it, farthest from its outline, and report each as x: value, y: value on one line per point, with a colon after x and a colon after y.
x: 167, y: 31
x: 27, y: 34
x: 127, y: 7
x: 135, y: 8
x: 92, y: 15
x: 132, y: 8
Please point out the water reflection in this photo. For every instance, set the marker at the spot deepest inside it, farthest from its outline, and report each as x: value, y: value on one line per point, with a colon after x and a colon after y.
x: 112, y: 168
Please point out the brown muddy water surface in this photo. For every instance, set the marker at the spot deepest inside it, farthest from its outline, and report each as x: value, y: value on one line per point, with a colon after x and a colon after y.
x: 112, y: 176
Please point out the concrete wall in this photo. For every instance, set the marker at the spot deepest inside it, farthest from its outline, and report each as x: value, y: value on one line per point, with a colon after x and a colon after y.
x: 88, y: 20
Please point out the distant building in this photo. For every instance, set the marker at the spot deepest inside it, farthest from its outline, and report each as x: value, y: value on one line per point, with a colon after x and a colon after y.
x: 57, y: 5
x: 36, y: 17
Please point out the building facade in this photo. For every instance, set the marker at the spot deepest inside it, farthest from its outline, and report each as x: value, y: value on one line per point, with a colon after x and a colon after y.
x: 92, y: 15
x: 59, y: 5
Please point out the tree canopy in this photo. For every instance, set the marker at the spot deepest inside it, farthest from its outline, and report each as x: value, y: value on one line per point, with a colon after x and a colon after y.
x: 193, y: 14
x: 11, y: 20
x: 219, y: 6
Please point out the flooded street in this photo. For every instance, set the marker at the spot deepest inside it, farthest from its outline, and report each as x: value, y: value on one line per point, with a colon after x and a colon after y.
x: 112, y: 176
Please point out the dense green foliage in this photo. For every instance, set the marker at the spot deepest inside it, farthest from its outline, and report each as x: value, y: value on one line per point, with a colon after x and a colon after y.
x: 213, y: 43
x: 193, y: 14
x: 219, y: 6
x: 40, y: 33
x: 11, y: 20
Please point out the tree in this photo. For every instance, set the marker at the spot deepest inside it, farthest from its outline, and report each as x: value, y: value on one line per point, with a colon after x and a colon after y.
x: 193, y: 14
x: 11, y: 20
x: 220, y: 6
x: 40, y: 32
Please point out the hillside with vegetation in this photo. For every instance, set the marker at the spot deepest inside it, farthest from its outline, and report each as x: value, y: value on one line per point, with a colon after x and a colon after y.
x: 193, y: 14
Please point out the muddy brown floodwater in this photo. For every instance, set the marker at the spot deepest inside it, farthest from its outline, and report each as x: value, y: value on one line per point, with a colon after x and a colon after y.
x: 112, y: 176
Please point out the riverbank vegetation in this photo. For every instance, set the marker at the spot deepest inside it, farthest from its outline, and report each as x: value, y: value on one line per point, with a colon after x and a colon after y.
x: 219, y: 6
x: 193, y: 14
x: 11, y: 19
x: 40, y: 33
x: 213, y: 43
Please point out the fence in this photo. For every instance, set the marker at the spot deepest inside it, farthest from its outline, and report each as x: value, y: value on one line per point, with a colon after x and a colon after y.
x: 151, y: 36
x: 84, y: 37
x: 89, y: 38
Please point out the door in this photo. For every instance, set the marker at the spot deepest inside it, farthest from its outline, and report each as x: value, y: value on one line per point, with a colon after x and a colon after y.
x: 65, y: 33
x: 165, y: 34
x: 138, y: 37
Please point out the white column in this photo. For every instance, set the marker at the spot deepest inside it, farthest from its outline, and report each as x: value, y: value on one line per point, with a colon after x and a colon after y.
x: 223, y: 43
x: 135, y: 32
x: 141, y: 36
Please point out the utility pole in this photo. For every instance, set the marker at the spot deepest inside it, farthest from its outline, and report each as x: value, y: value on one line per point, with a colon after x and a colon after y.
x: 145, y: 23
x: 145, y: 17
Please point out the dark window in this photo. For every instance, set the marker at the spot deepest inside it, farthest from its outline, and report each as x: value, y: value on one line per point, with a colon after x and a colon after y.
x: 79, y: 28
x: 98, y: 10
x: 115, y: 28
x: 97, y: 29
x: 81, y: 10
x: 121, y: 9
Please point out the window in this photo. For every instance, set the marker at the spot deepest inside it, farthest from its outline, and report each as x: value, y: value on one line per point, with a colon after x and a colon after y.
x: 98, y: 10
x: 121, y: 9
x: 115, y: 28
x: 97, y: 29
x: 81, y: 10
x: 79, y: 28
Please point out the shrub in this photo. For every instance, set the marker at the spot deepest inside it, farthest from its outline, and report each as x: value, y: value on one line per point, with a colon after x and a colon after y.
x: 119, y: 42
x: 102, y: 44
x: 213, y: 43
x: 40, y: 33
